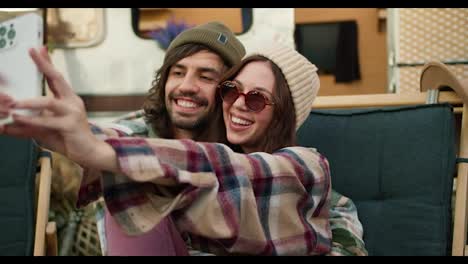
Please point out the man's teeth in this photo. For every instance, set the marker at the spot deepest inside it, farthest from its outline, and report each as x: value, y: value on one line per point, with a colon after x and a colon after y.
x: 185, y: 103
x: 239, y: 121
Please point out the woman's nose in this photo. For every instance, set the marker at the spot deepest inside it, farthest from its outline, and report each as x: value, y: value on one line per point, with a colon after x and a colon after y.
x: 240, y: 103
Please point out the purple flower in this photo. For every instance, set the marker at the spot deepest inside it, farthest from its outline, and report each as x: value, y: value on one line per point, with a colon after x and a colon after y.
x: 164, y: 36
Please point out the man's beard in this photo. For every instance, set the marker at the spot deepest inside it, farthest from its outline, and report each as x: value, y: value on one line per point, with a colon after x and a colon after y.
x: 182, y: 123
x: 197, y: 124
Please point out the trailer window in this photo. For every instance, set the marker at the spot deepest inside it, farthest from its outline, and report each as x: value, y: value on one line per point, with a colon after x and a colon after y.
x: 149, y: 20
x: 75, y: 27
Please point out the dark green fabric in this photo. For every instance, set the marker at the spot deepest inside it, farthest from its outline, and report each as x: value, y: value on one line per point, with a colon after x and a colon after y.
x: 17, y: 180
x: 397, y: 165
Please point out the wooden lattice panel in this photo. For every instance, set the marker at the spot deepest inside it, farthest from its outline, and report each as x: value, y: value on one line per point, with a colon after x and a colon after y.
x: 408, y: 77
x: 87, y: 240
x: 432, y: 34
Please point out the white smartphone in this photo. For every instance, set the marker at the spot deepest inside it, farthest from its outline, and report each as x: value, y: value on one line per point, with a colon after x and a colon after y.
x: 23, y: 79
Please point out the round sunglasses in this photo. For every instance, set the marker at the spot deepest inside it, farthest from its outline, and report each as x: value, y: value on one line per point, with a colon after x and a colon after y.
x: 255, y: 101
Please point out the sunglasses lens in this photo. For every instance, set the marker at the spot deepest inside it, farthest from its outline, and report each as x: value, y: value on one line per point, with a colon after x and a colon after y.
x: 229, y: 92
x: 255, y: 102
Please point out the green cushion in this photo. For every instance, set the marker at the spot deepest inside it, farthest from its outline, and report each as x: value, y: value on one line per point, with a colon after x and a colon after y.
x: 397, y: 164
x: 17, y: 171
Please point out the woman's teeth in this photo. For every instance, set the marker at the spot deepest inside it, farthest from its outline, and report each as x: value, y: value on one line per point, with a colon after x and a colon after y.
x: 239, y: 121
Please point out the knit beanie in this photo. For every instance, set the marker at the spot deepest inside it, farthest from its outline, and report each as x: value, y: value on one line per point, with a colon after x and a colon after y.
x: 300, y: 74
x: 215, y: 36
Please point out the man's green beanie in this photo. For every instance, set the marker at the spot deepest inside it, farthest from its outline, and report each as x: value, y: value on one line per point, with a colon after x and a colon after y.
x: 215, y: 36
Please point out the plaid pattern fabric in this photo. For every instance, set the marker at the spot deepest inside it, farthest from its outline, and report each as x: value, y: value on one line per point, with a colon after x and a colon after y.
x: 200, y: 177
x: 347, y: 230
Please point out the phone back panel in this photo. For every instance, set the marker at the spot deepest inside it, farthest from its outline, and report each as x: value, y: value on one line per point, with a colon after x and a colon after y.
x: 17, y: 36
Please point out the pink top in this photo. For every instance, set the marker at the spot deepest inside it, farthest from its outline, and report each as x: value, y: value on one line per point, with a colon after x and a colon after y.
x: 163, y: 240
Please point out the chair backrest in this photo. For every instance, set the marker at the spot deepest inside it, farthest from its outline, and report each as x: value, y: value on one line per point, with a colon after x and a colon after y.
x: 18, y: 162
x: 397, y: 164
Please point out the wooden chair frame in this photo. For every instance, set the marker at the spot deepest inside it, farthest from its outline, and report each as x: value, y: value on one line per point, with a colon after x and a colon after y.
x: 45, y: 238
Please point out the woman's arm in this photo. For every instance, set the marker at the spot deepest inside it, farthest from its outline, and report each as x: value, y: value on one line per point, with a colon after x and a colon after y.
x: 257, y: 203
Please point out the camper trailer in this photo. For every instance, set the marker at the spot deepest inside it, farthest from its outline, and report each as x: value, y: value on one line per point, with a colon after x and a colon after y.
x: 391, y: 115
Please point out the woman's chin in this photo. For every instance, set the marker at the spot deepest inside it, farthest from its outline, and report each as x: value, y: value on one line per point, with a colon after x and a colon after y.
x: 233, y: 139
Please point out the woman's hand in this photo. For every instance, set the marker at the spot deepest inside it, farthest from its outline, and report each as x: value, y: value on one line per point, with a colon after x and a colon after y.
x: 2, y: 81
x: 6, y: 103
x: 62, y: 125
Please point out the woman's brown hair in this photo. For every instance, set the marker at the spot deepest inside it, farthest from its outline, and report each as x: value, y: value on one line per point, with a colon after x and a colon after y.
x: 282, y: 130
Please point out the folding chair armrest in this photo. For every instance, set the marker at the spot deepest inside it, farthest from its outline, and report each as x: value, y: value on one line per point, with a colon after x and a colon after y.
x: 436, y: 75
x: 43, y: 201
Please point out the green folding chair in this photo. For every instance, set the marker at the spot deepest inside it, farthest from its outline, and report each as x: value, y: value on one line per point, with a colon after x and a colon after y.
x: 396, y: 158
x: 25, y: 182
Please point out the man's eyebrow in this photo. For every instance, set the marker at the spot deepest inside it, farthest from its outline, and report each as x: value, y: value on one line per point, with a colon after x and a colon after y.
x: 200, y: 69
x: 209, y: 69
x: 181, y: 66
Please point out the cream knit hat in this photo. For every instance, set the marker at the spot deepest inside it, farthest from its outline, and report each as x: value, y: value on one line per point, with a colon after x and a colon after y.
x: 300, y: 74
